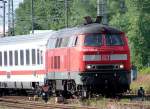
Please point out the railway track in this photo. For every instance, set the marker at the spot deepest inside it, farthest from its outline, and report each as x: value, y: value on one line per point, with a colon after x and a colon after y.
x: 23, y: 104
x: 20, y: 102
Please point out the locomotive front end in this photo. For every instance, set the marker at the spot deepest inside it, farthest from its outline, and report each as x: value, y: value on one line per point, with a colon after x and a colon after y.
x: 106, y: 62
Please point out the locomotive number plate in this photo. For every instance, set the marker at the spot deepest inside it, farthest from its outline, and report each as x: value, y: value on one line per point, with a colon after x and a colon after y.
x: 105, y: 57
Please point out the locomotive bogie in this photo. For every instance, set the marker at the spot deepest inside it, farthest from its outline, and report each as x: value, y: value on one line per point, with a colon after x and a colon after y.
x: 110, y: 79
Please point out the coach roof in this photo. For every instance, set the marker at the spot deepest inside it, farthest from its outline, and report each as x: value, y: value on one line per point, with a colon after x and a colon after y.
x: 25, y: 38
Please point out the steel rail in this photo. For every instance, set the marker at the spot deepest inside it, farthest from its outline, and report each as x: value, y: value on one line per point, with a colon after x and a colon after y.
x: 38, y: 105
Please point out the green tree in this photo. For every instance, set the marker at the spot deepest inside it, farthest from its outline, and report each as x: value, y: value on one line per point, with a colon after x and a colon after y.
x: 133, y: 20
x: 137, y: 26
x: 50, y: 14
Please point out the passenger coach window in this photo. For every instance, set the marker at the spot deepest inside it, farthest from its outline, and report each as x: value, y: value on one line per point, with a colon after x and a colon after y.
x: 114, y: 39
x: 21, y: 57
x: 38, y: 57
x: 5, y: 58
x: 0, y: 58
x: 27, y: 57
x: 16, y: 57
x: 33, y: 57
x: 10, y: 58
x: 93, y: 40
x: 41, y: 57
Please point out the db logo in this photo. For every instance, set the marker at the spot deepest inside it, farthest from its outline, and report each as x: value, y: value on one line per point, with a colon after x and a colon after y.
x: 105, y: 57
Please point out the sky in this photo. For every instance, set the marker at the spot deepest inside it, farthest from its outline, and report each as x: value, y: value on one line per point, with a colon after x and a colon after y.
x: 16, y: 4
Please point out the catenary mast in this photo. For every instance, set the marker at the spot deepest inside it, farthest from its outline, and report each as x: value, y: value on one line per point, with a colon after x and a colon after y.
x: 102, y: 10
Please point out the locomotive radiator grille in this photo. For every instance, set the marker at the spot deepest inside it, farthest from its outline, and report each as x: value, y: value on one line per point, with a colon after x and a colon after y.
x: 104, y: 67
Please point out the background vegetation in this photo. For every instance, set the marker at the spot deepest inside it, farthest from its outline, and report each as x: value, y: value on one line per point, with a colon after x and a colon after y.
x: 134, y: 20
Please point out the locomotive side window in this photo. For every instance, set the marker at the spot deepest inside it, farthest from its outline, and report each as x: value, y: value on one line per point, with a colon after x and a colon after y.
x: 93, y: 40
x: 64, y: 42
x: 58, y: 42
x: 51, y: 43
x: 21, y: 57
x: 0, y: 58
x: 75, y: 42
x: 16, y: 57
x: 114, y: 39
x: 5, y: 58
x: 33, y: 56
x: 27, y: 57
x: 10, y: 58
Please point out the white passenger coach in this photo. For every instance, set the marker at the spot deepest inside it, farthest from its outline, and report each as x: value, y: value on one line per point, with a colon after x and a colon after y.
x: 22, y: 60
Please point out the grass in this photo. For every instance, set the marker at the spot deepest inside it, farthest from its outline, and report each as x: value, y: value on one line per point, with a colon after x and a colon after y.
x: 143, y: 80
x: 100, y: 102
x: 145, y: 70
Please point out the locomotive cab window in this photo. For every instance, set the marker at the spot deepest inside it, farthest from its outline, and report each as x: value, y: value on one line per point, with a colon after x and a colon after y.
x: 114, y: 39
x: 93, y: 40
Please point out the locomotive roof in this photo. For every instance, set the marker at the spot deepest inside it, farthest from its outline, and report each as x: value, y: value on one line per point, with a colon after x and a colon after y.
x: 85, y: 29
x: 25, y: 38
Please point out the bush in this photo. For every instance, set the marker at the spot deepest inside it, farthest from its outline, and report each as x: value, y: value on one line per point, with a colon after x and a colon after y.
x: 145, y: 70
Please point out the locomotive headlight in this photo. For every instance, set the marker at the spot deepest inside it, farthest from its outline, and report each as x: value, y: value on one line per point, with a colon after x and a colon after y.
x: 88, y: 66
x: 121, y: 66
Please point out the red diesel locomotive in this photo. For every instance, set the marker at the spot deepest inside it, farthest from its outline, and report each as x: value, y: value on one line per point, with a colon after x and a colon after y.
x: 92, y: 58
